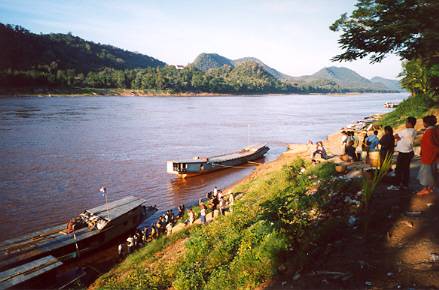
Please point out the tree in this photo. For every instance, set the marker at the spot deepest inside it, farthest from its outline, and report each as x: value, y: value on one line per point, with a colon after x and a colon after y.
x: 408, y: 28
x: 414, y: 77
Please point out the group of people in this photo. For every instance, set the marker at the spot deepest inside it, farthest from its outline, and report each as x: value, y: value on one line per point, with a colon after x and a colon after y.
x: 402, y: 143
x: 165, y: 223
x: 357, y: 147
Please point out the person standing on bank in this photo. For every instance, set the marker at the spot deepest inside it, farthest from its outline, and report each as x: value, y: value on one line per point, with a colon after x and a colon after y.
x: 404, y: 147
x: 387, y: 143
x: 429, y: 156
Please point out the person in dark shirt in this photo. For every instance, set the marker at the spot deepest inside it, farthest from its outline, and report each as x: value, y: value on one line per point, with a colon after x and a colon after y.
x: 350, y: 151
x: 387, y: 143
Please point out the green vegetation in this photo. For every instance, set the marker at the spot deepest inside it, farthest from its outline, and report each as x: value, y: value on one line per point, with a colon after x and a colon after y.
x: 53, y: 62
x: 407, y: 28
x: 416, y: 106
x: 281, y: 213
x: 206, y: 61
x: 23, y: 50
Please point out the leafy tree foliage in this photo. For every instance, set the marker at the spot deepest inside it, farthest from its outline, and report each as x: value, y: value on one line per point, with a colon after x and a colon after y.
x: 64, y: 61
x: 408, y: 28
x: 23, y: 50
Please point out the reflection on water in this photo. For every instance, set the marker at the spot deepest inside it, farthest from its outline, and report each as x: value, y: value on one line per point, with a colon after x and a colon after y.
x: 55, y: 153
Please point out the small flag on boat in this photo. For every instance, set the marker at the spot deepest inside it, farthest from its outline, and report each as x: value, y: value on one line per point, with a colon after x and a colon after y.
x: 103, y: 190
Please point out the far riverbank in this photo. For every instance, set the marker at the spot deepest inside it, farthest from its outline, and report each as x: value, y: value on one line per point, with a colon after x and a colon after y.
x: 82, y: 92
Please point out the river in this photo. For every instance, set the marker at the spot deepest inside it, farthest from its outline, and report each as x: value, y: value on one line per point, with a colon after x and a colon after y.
x: 55, y: 152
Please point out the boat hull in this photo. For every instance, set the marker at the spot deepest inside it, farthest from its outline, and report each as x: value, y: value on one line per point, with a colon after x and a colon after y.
x: 207, y: 165
x: 53, y: 241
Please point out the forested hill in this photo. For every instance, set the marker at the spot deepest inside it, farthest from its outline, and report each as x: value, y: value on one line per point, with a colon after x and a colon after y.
x: 45, y: 62
x: 23, y: 50
x: 328, y: 79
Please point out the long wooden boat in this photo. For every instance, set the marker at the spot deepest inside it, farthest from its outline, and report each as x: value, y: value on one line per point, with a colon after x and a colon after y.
x: 92, y: 228
x: 201, y: 165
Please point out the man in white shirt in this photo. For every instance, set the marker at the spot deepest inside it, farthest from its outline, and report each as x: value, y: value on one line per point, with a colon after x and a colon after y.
x: 404, y: 146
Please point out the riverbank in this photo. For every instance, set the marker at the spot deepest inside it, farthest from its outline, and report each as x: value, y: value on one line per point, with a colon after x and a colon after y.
x: 292, y: 217
x: 263, y: 191
x: 82, y: 92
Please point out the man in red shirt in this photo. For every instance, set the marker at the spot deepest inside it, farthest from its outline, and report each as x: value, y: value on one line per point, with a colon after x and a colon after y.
x: 429, y: 156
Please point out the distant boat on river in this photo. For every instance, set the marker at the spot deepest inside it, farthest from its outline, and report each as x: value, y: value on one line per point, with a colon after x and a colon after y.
x: 201, y: 165
x: 36, y: 254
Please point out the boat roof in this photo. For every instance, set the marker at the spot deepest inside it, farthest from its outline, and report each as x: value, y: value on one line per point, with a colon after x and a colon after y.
x: 25, y: 272
x: 219, y: 158
x: 116, y: 208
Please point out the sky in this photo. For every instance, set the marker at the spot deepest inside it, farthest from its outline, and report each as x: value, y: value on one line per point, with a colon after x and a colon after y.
x: 291, y: 36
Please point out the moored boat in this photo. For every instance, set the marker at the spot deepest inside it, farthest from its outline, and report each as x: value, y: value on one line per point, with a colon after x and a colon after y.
x: 390, y: 105
x: 87, y: 232
x: 201, y: 165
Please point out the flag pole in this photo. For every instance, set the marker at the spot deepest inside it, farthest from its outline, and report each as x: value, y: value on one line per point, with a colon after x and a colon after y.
x: 104, y: 191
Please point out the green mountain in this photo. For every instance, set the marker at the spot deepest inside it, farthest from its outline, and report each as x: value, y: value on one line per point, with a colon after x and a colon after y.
x: 206, y: 61
x: 275, y: 73
x: 390, y: 84
x: 327, y: 79
x: 47, y: 61
x: 341, y: 77
x: 23, y: 50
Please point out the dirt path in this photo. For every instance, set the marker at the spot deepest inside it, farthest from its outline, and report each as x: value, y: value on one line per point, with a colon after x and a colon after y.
x: 397, y: 251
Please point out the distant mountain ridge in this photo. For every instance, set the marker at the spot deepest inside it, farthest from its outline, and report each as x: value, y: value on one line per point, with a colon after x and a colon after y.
x: 328, y: 77
x: 66, y: 61
x: 24, y: 50
x: 391, y: 84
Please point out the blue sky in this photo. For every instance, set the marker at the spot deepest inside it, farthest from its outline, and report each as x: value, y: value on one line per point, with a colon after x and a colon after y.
x: 291, y: 36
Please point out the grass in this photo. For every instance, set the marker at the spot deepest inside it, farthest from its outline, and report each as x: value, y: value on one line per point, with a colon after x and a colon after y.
x: 416, y: 106
x: 280, y: 211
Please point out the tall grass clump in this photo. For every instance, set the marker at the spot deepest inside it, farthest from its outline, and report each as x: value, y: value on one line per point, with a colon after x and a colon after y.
x: 415, y: 106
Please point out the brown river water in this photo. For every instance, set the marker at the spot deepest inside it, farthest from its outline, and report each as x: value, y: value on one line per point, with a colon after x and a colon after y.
x: 56, y: 152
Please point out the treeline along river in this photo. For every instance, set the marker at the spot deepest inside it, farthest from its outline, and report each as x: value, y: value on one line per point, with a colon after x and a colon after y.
x: 56, y: 152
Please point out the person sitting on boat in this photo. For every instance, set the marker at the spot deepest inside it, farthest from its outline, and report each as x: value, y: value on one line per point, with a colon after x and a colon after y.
x: 70, y: 226
x: 101, y: 224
